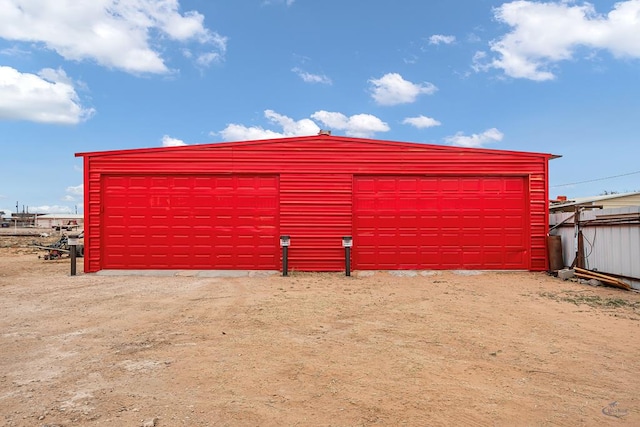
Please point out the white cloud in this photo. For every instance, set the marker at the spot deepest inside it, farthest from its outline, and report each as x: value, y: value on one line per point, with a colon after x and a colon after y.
x: 544, y: 34
x: 441, y: 39
x: 286, y: 2
x: 167, y: 141
x: 421, y: 122
x: 48, y: 97
x: 290, y: 127
x: 15, y: 51
x: 205, y: 59
x: 473, y: 38
x: 312, y: 78
x: 359, y: 125
x: 122, y: 34
x: 236, y: 132
x: 392, y: 89
x: 77, y: 190
x: 475, y: 140
x: 74, y: 193
x: 479, y: 61
x: 411, y: 59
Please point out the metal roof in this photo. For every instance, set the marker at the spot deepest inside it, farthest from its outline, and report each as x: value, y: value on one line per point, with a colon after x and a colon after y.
x: 590, y: 200
x: 317, y: 138
x: 61, y: 216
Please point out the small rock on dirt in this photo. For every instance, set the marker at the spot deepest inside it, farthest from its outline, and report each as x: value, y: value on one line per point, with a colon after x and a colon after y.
x: 403, y: 273
x: 150, y: 423
x: 467, y: 272
x: 566, y: 274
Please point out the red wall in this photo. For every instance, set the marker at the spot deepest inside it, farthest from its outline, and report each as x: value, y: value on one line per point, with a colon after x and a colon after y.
x: 316, y: 177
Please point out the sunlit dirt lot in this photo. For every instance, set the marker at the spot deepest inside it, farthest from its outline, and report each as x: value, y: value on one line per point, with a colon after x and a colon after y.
x: 436, y: 349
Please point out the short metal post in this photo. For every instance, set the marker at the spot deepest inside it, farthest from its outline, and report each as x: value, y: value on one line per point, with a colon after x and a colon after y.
x: 72, y: 242
x: 347, y: 243
x: 347, y: 254
x: 285, y: 241
x: 285, y: 260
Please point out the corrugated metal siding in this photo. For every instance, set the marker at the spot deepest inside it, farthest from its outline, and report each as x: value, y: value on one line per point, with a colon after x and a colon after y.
x: 333, y: 160
x: 315, y: 210
x: 93, y: 216
x: 611, y: 248
x: 539, y: 219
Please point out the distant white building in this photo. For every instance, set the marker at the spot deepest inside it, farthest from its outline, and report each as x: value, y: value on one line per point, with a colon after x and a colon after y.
x: 608, y: 201
x: 65, y: 221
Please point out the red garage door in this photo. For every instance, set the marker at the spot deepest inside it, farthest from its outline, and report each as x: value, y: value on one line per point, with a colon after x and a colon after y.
x: 440, y: 223
x: 190, y: 222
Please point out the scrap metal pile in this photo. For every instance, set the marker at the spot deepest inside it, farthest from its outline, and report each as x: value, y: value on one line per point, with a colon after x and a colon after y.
x: 58, y: 249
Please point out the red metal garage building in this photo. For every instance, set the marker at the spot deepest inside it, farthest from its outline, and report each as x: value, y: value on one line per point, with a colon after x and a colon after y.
x: 224, y: 206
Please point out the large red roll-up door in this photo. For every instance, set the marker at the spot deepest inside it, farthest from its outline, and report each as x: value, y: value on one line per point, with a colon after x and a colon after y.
x: 420, y: 222
x: 190, y: 222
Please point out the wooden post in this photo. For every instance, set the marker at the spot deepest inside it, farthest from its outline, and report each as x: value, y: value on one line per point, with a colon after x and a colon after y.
x: 578, y: 241
x: 73, y: 242
x: 580, y: 255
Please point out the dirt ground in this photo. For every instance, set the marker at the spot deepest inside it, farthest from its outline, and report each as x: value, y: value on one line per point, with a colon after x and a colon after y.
x: 436, y: 349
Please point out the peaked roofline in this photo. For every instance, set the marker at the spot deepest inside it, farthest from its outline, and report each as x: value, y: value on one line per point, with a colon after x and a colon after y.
x: 321, y: 137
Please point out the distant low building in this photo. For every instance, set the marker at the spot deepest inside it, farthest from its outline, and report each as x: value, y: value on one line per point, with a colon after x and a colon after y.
x: 563, y: 204
x: 22, y: 219
x: 60, y: 221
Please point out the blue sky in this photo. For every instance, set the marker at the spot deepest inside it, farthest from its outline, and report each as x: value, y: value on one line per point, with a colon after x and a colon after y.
x: 559, y: 77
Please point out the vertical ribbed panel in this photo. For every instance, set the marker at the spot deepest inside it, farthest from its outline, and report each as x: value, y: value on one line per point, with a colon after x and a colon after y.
x: 539, y: 221
x: 315, y: 210
x: 93, y: 219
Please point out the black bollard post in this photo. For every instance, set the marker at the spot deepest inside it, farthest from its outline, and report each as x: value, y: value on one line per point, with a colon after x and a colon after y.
x: 285, y: 241
x: 285, y: 260
x: 347, y: 254
x: 347, y: 243
x: 72, y: 241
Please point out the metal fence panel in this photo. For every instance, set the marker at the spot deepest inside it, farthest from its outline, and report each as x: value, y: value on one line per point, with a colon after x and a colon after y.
x: 608, y: 247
